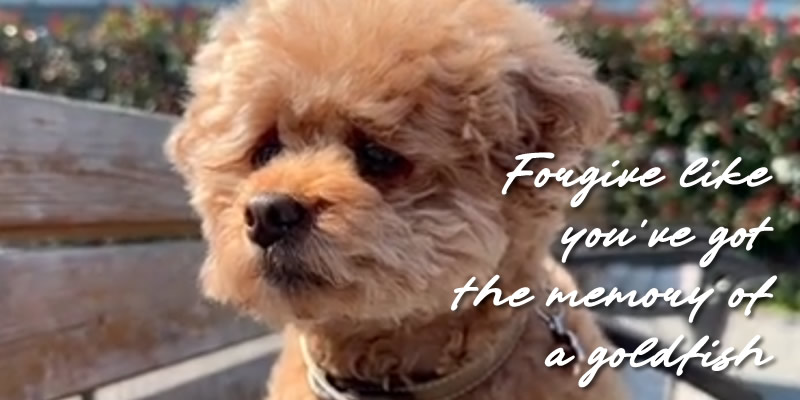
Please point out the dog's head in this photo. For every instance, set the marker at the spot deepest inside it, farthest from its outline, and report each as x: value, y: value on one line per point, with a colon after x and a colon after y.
x: 347, y: 156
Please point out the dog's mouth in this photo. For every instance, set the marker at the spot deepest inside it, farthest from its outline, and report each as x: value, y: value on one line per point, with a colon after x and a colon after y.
x: 283, y: 268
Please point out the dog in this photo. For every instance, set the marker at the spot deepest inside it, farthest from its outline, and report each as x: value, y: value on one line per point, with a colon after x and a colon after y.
x: 346, y: 158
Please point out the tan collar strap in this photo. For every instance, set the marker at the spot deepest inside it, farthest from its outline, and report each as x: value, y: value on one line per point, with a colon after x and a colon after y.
x: 445, y: 388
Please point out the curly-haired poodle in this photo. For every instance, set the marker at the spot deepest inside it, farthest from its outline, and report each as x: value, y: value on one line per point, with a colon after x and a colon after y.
x: 347, y: 159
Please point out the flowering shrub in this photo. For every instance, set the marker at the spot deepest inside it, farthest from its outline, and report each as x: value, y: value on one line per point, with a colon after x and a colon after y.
x: 134, y: 59
x: 689, y: 86
x: 693, y: 87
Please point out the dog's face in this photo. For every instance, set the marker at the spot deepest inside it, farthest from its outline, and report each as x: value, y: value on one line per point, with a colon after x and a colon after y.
x: 347, y: 157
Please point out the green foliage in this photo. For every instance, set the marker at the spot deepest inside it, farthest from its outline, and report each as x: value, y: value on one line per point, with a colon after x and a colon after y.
x: 134, y: 59
x: 689, y: 87
x: 693, y: 87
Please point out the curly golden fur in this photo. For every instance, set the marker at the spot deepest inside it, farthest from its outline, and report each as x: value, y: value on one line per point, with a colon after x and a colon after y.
x: 458, y: 88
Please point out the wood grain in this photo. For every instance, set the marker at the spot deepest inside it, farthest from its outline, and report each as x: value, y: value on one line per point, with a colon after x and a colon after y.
x: 78, y: 318
x: 68, y: 166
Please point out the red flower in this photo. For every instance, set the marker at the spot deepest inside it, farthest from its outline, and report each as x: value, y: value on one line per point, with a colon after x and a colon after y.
x: 772, y: 192
x: 188, y: 14
x: 650, y: 125
x: 759, y: 207
x: 793, y: 24
x: 773, y: 114
x: 632, y: 102
x: 679, y: 80
x: 656, y: 52
x: 765, y: 201
x: 698, y: 11
x: 793, y: 145
x: 758, y: 10
x: 55, y: 24
x: 778, y: 64
x: 769, y: 27
x: 794, y: 202
x: 663, y: 54
x: 740, y: 100
x: 710, y: 91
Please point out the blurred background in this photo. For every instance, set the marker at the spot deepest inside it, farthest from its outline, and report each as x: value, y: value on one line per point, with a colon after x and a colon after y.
x: 715, y: 78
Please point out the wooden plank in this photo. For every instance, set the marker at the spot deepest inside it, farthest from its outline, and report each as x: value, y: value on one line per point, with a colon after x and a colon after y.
x: 68, y: 167
x: 247, y: 381
x: 242, y: 369
x: 72, y: 319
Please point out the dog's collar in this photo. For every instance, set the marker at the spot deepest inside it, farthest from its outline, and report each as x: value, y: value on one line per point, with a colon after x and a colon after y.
x: 445, y: 388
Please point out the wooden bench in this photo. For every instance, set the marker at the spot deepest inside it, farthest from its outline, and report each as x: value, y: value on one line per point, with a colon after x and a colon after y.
x: 75, y: 315
x: 98, y: 262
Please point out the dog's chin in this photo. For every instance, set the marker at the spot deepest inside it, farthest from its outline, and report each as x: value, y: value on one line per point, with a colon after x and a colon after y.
x: 299, y: 292
x: 284, y: 271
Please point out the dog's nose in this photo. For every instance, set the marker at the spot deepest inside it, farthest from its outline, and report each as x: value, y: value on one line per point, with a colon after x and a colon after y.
x: 270, y: 217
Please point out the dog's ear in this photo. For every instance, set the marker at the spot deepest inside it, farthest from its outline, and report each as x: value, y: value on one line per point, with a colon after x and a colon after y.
x: 202, y: 115
x: 559, y: 105
x: 175, y: 148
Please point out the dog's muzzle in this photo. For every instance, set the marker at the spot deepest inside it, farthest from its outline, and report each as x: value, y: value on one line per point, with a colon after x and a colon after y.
x: 272, y: 217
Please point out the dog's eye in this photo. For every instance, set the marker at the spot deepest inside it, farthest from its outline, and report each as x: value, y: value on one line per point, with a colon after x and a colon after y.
x: 266, y: 150
x: 377, y: 161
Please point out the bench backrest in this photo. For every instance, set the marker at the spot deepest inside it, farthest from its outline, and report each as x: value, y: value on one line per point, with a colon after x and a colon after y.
x: 75, y: 311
